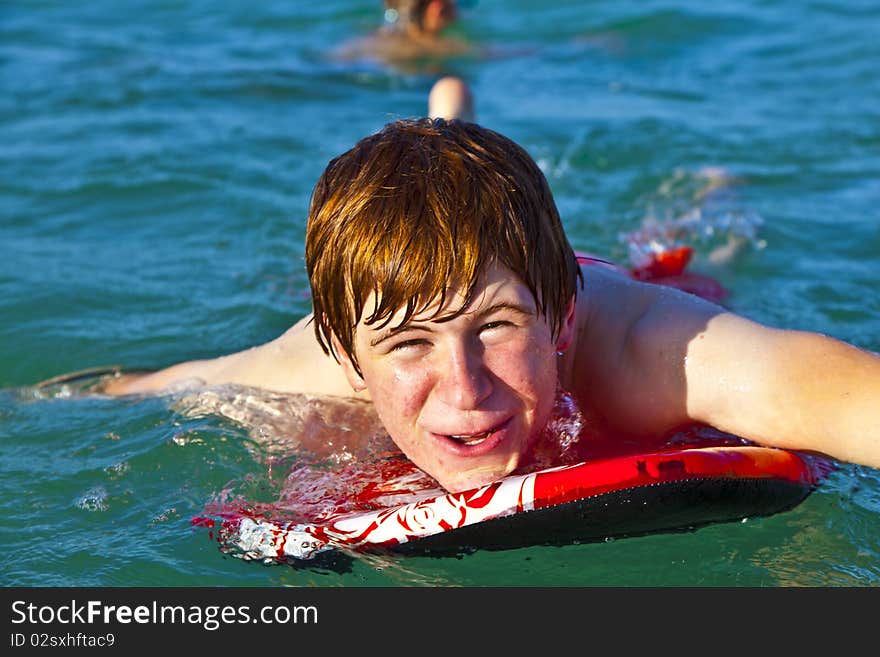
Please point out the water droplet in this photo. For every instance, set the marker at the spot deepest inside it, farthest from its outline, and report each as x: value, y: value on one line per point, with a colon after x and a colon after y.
x: 95, y: 499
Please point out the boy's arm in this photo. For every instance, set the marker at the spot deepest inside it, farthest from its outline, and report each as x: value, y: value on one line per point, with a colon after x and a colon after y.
x: 785, y: 388
x: 292, y: 363
x: 687, y: 360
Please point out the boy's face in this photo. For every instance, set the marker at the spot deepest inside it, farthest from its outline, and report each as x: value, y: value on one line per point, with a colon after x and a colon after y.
x: 464, y: 399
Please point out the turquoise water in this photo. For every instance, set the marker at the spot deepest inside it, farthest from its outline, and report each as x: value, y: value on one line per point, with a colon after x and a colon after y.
x: 156, y: 160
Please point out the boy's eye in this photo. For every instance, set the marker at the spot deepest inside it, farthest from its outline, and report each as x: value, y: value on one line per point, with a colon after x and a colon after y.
x: 494, y: 325
x: 408, y: 344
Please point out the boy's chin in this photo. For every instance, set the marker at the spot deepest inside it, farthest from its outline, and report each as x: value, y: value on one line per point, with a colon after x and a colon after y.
x: 462, y: 481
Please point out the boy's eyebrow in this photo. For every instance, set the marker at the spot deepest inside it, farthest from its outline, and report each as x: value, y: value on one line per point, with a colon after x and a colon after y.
x: 411, y: 326
x: 517, y: 308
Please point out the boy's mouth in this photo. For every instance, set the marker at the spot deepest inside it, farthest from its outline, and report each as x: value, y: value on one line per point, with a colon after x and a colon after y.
x: 472, y: 439
x: 477, y: 443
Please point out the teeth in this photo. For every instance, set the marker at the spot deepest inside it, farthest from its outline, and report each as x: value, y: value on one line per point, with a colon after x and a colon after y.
x: 472, y: 439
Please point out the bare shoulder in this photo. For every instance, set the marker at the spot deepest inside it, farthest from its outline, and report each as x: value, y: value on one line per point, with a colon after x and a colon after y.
x: 650, y: 359
x: 390, y: 46
x: 292, y: 363
x: 632, y: 345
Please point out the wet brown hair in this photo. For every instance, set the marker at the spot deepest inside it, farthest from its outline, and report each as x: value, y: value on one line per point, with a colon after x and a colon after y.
x: 420, y: 209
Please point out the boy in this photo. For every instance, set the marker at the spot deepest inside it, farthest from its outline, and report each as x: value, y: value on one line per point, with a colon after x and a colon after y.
x: 446, y: 293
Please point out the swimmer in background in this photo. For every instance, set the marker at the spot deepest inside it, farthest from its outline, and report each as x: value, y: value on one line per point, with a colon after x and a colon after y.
x: 414, y: 29
x: 420, y: 19
x: 451, y: 98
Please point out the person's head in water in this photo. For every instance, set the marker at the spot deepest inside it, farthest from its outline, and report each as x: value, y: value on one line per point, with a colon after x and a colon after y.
x: 420, y: 17
x: 443, y: 282
x: 451, y: 98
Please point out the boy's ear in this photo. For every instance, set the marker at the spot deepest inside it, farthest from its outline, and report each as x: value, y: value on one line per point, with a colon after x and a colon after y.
x: 354, y: 379
x: 566, y: 331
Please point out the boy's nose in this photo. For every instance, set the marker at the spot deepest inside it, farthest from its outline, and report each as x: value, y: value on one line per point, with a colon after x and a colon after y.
x: 462, y: 380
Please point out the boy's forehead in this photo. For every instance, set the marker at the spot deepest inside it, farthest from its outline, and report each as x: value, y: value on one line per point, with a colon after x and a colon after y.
x: 497, y: 285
